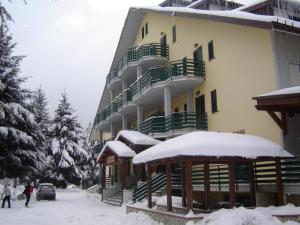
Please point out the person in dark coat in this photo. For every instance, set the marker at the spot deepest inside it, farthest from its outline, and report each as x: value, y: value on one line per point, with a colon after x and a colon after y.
x: 6, y: 193
x: 28, y: 190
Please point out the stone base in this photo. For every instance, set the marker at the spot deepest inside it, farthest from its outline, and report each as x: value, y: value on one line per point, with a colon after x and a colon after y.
x: 166, y: 218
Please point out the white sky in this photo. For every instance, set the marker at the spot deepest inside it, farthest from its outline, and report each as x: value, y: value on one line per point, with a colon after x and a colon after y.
x: 70, y: 45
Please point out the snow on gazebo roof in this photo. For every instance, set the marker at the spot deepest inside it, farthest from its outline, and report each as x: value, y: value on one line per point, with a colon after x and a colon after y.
x: 119, y: 148
x: 212, y: 144
x: 284, y: 91
x: 137, y: 138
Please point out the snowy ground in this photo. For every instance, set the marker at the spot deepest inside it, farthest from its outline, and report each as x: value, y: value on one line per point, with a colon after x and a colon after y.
x: 76, y: 207
x: 72, y: 207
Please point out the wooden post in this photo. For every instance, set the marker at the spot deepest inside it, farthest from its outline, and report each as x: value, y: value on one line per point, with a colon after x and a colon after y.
x: 232, y: 180
x: 125, y: 174
x: 206, y: 183
x: 252, y: 182
x: 103, y: 176
x: 279, y: 185
x: 169, y: 187
x: 149, y: 185
x: 183, y: 192
x: 188, y: 184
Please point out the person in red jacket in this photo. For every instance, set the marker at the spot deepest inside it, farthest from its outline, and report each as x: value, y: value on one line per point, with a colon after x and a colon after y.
x: 28, y: 190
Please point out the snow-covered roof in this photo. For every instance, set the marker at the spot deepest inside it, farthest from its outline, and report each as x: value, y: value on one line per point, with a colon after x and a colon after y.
x: 284, y: 91
x: 137, y: 138
x: 213, y: 144
x: 233, y: 14
x: 250, y: 5
x: 119, y: 148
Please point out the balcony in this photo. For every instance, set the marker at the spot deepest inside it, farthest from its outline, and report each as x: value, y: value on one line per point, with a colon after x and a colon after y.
x: 173, y: 125
x: 181, y: 75
x: 147, y: 55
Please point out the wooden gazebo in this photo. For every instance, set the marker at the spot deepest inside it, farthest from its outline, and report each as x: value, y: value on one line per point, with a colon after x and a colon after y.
x: 208, y: 148
x: 115, y: 152
x: 282, y: 101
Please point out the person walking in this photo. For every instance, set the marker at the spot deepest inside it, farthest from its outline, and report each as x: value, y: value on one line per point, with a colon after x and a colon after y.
x: 6, y: 193
x: 28, y: 190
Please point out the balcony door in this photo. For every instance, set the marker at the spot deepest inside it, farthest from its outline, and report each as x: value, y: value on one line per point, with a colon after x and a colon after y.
x: 200, y: 104
x: 198, y: 58
x: 163, y: 45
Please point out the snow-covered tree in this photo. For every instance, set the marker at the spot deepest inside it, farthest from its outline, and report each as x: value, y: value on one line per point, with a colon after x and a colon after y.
x: 66, y: 148
x: 90, y: 166
x: 20, y: 137
x: 38, y: 106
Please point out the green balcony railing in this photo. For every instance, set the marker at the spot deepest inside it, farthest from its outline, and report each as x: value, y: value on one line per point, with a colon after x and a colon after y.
x: 184, y: 67
x: 136, y: 53
x: 175, y: 121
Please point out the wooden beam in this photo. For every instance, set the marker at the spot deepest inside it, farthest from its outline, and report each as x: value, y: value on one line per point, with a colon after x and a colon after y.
x: 232, y: 181
x: 149, y: 185
x: 206, y: 183
x: 279, y: 185
x: 103, y: 176
x: 252, y: 182
x: 169, y: 187
x: 124, y: 174
x: 183, y: 192
x: 280, y: 122
x: 188, y: 184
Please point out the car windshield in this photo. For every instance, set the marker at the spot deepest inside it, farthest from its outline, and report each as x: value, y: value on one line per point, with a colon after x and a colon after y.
x: 46, y: 187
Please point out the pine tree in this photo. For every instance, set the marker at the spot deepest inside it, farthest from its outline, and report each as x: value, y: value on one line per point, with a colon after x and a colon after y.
x: 20, y: 137
x: 90, y: 166
x: 67, y: 152
x: 39, y: 108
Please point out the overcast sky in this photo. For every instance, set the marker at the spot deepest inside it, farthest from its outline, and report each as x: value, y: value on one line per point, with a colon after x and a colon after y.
x: 70, y: 45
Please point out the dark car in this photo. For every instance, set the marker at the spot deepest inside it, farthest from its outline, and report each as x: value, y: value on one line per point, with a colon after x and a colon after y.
x: 45, y: 191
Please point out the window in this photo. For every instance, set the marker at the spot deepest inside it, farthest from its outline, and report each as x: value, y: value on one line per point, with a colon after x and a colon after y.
x: 146, y: 29
x: 143, y: 32
x: 214, y: 106
x: 174, y: 33
x: 211, y: 54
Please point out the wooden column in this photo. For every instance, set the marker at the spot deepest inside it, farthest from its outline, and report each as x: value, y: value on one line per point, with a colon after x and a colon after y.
x: 188, y: 184
x: 232, y: 180
x: 183, y: 185
x: 149, y: 185
x: 169, y: 187
x: 206, y: 183
x: 124, y: 173
x: 279, y: 185
x: 252, y: 182
x: 103, y: 176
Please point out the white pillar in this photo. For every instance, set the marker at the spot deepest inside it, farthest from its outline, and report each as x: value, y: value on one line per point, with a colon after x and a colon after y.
x: 139, y: 72
x: 124, y: 122
x: 111, y: 95
x: 140, y: 115
x: 112, y: 131
x: 124, y: 85
x: 167, y: 101
x: 190, y: 100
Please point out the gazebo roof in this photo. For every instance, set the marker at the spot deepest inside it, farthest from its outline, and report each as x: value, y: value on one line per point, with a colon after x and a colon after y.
x: 137, y: 138
x: 280, y: 92
x: 213, y: 144
x: 118, y: 148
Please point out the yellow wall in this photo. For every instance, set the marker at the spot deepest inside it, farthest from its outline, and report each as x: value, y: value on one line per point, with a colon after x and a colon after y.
x: 242, y: 68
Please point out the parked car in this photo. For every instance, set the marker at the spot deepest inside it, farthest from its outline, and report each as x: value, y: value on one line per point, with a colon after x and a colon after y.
x: 45, y: 191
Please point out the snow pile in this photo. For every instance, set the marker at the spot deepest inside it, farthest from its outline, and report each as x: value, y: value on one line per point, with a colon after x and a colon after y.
x: 176, y: 201
x: 119, y: 148
x: 241, y: 216
x: 213, y: 144
x: 284, y: 91
x: 137, y: 138
x: 288, y: 209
